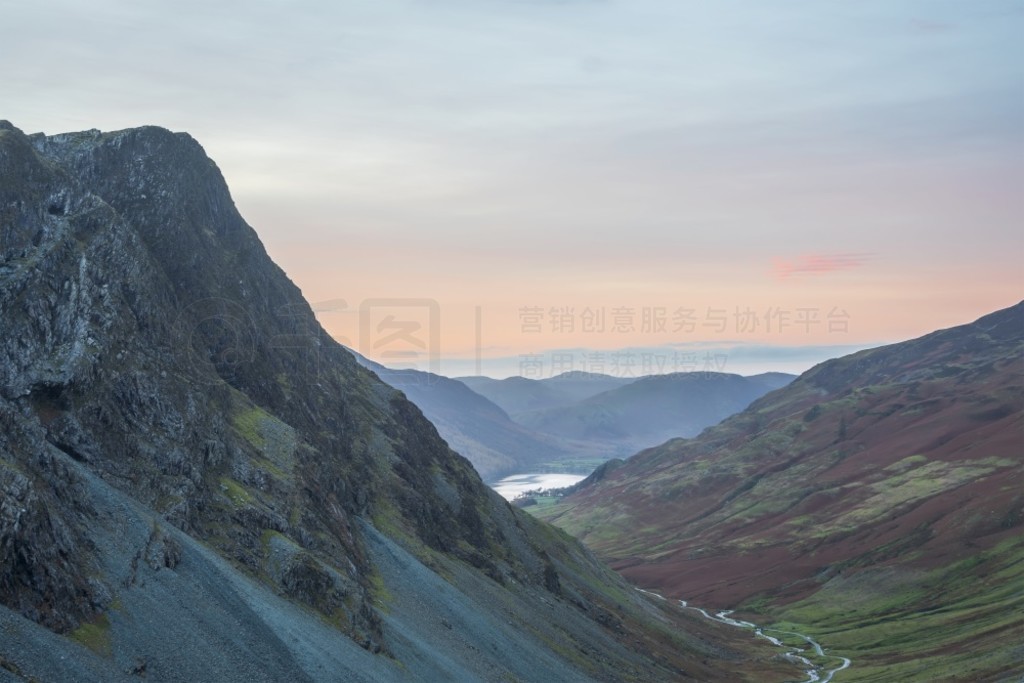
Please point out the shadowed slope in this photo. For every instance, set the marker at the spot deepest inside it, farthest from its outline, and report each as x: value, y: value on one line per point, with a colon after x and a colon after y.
x: 198, y: 484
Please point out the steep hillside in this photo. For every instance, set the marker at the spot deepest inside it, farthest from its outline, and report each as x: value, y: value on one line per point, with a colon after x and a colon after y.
x: 877, y: 502
x: 200, y: 485
x: 651, y: 410
x: 481, y: 431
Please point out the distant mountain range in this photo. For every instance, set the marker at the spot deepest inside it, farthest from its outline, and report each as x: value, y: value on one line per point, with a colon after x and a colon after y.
x: 877, y: 501
x: 480, y: 430
x: 650, y: 410
x: 573, y: 421
x: 621, y: 415
x: 521, y: 395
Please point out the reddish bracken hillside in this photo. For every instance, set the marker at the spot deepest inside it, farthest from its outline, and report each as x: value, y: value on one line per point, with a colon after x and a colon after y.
x: 907, y: 458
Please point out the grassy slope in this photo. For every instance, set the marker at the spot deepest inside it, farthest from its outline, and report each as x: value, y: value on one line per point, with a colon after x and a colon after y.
x: 876, y: 502
x: 959, y: 622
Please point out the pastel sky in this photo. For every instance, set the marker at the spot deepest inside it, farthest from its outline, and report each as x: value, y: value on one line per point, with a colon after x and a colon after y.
x: 818, y: 175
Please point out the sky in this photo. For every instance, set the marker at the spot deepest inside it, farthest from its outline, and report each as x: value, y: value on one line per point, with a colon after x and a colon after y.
x: 529, y: 186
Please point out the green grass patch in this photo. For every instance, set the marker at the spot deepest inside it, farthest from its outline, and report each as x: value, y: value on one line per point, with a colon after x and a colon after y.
x: 267, y: 536
x: 235, y: 492
x: 248, y: 423
x: 95, y: 635
x: 541, y: 502
x: 275, y: 441
x: 907, y: 463
x: 379, y: 591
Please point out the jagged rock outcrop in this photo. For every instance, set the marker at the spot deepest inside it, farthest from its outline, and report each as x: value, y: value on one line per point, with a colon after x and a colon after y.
x: 190, y: 466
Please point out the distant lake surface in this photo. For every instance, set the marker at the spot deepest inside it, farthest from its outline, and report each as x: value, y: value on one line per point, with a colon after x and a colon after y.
x: 510, y: 487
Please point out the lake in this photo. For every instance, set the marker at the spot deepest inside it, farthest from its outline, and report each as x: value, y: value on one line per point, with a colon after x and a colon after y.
x: 512, y: 486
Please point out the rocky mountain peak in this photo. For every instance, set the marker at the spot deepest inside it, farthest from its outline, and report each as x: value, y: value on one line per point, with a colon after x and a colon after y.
x: 181, y: 441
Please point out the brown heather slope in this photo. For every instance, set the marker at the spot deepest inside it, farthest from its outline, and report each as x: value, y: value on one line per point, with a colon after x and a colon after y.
x: 878, y: 499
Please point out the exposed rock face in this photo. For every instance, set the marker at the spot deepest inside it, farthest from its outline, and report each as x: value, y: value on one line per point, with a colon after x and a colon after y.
x: 131, y: 291
x: 164, y: 389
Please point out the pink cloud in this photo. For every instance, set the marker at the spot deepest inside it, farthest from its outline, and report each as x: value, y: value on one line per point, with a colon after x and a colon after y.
x: 818, y: 264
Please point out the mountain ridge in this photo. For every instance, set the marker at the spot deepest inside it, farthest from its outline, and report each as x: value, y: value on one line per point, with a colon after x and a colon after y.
x: 478, y: 428
x: 520, y: 394
x: 842, y: 503
x: 652, y: 409
x: 199, y: 484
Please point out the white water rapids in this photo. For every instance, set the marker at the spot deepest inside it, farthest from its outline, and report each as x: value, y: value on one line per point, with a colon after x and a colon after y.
x: 814, y: 674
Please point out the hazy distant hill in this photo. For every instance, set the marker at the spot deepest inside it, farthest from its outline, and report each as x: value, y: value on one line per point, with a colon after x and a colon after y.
x: 651, y: 410
x: 877, y: 501
x: 520, y: 394
x: 477, y: 428
x: 591, y: 425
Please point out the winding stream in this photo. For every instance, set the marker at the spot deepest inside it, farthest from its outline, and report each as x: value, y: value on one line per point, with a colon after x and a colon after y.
x: 814, y: 674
